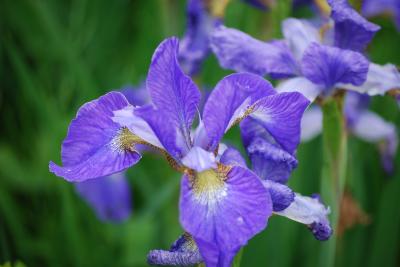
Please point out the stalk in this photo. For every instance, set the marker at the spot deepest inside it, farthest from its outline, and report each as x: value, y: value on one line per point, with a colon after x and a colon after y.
x: 334, y: 168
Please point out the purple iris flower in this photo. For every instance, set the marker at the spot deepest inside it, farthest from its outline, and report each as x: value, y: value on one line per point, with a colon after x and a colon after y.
x: 222, y: 206
x: 195, y: 44
x: 362, y: 123
x: 109, y: 196
x: 371, y: 8
x: 266, y: 4
x: 315, y: 63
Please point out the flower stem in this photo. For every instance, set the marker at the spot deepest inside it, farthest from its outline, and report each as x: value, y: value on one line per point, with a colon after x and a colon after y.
x: 334, y: 168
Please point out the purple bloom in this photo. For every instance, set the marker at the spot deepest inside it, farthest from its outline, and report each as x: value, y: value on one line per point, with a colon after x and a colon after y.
x: 320, y: 62
x: 222, y: 203
x: 372, y: 8
x: 109, y: 196
x: 194, y: 46
x: 362, y: 123
x: 136, y: 96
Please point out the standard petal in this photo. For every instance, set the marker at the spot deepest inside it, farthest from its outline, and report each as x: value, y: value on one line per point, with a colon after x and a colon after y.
x: 229, y: 102
x: 222, y: 209
x: 280, y: 115
x: 281, y: 195
x: 173, y: 93
x: 326, y: 66
x: 311, y: 123
x: 352, y: 31
x: 195, y: 44
x: 269, y: 161
x: 309, y: 211
x: 238, y: 51
x: 95, y: 145
x: 199, y: 159
x: 183, y: 252
x: 301, y: 85
x: 231, y: 157
x: 136, y: 95
x: 109, y: 196
x: 380, y: 79
x: 299, y: 33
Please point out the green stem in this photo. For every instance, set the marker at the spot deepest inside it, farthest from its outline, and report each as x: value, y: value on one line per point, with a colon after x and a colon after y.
x: 333, y: 170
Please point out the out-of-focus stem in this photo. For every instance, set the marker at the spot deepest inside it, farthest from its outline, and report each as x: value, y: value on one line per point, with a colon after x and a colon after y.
x: 334, y: 168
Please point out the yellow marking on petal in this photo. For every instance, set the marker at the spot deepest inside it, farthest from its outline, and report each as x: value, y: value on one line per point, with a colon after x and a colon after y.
x: 190, y: 245
x: 247, y: 112
x: 323, y: 6
x: 209, y: 186
x: 125, y: 140
x: 217, y: 7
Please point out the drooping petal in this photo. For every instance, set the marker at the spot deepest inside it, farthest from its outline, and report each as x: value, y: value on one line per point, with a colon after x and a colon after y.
x: 183, y: 252
x: 352, y: 31
x: 301, y: 85
x: 173, y: 93
x: 109, y: 196
x: 232, y: 157
x: 380, y: 79
x: 269, y: 161
x: 222, y: 209
x: 199, y: 159
x: 299, y: 33
x: 281, y: 195
x: 229, y: 102
x: 311, y: 123
x: 194, y: 46
x: 95, y: 145
x: 280, y: 115
x: 372, y: 128
x: 311, y: 212
x: 238, y: 51
x: 325, y: 65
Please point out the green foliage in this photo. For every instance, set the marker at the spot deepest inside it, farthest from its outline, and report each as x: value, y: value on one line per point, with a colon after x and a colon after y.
x: 56, y: 55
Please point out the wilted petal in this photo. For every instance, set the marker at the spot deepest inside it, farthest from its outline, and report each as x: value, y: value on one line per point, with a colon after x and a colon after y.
x: 325, y: 65
x: 299, y: 33
x: 380, y: 79
x: 280, y: 115
x: 173, y: 93
x: 269, y: 161
x: 240, y: 52
x: 95, y: 145
x: 372, y: 128
x: 229, y: 103
x: 302, y: 85
x: 183, y: 252
x: 222, y: 209
x: 232, y: 157
x: 109, y: 196
x: 312, y: 212
x: 281, y: 195
x: 311, y: 123
x: 352, y: 31
x: 199, y: 159
x: 195, y: 44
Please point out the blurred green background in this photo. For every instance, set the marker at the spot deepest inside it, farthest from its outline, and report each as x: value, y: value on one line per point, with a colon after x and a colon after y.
x: 56, y: 55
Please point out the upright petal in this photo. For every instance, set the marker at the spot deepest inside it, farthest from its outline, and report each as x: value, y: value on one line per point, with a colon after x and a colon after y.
x: 109, y: 196
x: 280, y: 115
x: 172, y: 92
x: 229, y: 103
x: 195, y: 44
x: 326, y: 66
x: 222, y: 209
x: 311, y: 123
x: 311, y: 212
x: 238, y: 51
x: 352, y: 31
x: 299, y: 33
x: 95, y: 145
x: 270, y: 162
x: 136, y: 95
x: 232, y: 157
x: 380, y: 79
x: 199, y: 159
